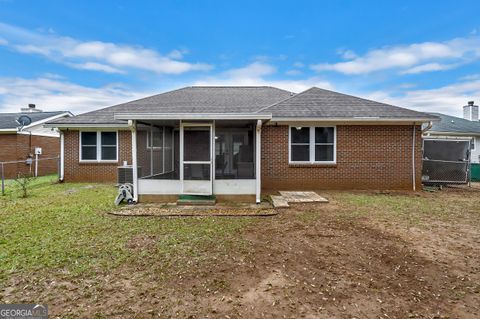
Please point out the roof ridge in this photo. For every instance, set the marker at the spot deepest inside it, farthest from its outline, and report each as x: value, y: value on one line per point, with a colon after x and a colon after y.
x: 288, y: 98
x: 362, y: 98
x: 233, y: 86
x: 139, y: 99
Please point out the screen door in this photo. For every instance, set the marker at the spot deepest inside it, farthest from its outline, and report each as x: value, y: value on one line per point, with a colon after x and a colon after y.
x: 196, y: 157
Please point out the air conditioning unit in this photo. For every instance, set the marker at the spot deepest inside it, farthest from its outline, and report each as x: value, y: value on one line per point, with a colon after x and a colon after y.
x: 125, y: 174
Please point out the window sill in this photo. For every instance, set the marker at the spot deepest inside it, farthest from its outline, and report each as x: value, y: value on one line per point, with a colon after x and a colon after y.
x: 98, y: 162
x: 303, y: 165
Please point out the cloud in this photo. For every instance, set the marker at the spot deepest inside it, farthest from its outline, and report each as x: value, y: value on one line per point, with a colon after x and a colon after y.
x: 51, y: 93
x: 417, y: 57
x: 293, y: 72
x: 96, y: 55
x: 94, y: 66
x: 428, y: 68
x: 347, y: 54
x: 259, y: 73
x: 253, y: 70
x: 447, y: 99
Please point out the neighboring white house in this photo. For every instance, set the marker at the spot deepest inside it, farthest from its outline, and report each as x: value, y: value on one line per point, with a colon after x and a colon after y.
x: 451, y: 127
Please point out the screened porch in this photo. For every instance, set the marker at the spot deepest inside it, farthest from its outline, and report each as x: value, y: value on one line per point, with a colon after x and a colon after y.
x: 196, y: 157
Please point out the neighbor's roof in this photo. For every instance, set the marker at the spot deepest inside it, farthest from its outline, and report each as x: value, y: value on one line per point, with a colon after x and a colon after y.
x: 452, y: 124
x: 196, y: 99
x: 313, y: 104
x: 8, y: 120
x: 320, y: 103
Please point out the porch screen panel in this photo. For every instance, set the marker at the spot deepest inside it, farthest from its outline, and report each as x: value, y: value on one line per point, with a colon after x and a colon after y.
x: 196, y: 145
x: 143, y: 152
x: 234, y: 153
x: 156, y: 150
x: 168, y: 150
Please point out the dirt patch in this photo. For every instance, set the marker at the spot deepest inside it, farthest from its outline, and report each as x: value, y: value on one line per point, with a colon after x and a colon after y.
x: 345, y: 259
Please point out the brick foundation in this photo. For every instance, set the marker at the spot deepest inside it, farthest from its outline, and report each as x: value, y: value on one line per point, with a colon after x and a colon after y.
x: 368, y: 157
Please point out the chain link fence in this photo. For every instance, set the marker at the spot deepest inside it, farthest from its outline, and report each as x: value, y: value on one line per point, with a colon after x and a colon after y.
x: 446, y: 161
x: 35, y: 167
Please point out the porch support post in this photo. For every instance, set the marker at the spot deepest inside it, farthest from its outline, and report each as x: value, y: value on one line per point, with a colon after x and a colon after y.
x: 133, y: 127
x: 258, y: 148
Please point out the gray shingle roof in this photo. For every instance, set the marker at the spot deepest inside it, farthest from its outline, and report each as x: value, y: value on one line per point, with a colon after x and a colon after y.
x: 316, y: 102
x: 455, y: 125
x: 312, y: 103
x: 197, y: 99
x: 8, y: 120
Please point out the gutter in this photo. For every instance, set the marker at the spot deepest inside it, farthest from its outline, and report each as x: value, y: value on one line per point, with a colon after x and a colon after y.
x: 191, y: 116
x: 352, y: 119
x: 85, y: 125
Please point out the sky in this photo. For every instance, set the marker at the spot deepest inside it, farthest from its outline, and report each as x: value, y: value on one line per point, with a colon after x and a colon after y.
x: 84, y: 55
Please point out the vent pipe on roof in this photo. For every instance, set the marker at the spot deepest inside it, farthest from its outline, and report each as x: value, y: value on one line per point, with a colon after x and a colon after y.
x: 470, y: 111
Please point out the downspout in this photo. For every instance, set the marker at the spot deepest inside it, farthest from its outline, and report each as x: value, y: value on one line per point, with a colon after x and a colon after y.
x: 62, y: 156
x: 133, y: 127
x: 413, y: 157
x: 429, y: 126
x: 258, y: 148
x: 424, y: 130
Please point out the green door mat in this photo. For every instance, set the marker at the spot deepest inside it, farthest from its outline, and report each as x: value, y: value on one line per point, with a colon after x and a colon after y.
x: 196, y: 197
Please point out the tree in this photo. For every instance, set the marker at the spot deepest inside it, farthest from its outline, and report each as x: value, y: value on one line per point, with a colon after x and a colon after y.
x: 24, y: 181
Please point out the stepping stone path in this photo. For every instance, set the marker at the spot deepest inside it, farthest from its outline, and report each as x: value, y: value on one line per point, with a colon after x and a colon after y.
x: 279, y: 201
x: 284, y: 198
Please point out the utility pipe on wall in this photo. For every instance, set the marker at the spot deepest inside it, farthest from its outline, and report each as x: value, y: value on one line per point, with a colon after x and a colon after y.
x: 413, y: 157
x: 62, y: 156
x: 133, y: 128
x: 258, y: 147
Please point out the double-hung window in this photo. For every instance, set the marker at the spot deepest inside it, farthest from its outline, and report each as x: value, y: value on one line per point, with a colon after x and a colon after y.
x: 98, y: 146
x: 312, y: 144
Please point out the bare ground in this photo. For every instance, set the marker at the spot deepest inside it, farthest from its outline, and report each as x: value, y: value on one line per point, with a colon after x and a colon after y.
x: 380, y: 256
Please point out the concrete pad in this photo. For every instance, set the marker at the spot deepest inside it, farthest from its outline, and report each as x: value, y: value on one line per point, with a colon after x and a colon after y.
x: 279, y: 201
x: 303, y: 197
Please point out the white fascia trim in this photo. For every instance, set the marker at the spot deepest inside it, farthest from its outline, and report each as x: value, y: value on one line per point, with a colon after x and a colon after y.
x: 39, y: 134
x: 351, y: 119
x: 192, y: 116
x: 446, y: 139
x: 51, y: 118
x: 466, y: 134
x: 92, y: 126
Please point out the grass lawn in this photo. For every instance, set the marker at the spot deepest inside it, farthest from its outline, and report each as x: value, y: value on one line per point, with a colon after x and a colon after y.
x: 364, y: 254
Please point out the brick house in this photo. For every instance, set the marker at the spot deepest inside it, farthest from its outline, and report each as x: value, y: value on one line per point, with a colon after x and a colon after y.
x: 235, y: 142
x: 19, y: 143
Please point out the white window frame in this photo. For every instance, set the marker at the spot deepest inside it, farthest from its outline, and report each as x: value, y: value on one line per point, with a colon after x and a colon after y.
x: 312, y: 145
x: 474, y: 143
x: 99, y: 148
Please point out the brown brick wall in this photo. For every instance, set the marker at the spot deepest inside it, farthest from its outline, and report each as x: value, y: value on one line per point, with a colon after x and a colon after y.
x: 368, y: 157
x: 94, y: 172
x: 16, y: 147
